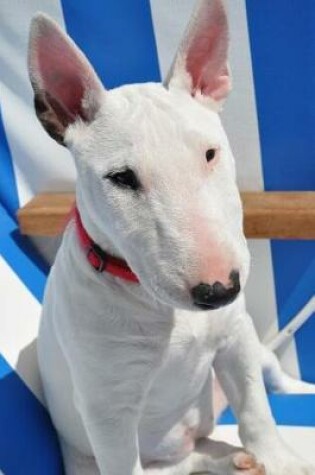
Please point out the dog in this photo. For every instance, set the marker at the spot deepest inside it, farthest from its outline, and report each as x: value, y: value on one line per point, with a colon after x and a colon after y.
x: 145, y: 299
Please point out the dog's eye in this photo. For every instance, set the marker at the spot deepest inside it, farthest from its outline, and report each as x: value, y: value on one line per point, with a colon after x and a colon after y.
x: 210, y: 154
x: 124, y: 179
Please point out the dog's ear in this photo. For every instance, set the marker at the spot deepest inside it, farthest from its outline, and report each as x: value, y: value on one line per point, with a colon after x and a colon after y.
x: 201, y: 62
x: 65, y: 85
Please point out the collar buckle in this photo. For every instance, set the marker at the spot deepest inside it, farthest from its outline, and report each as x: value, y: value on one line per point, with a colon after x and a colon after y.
x: 97, y: 257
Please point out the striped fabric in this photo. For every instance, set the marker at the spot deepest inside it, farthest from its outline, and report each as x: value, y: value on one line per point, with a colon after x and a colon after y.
x: 270, y: 119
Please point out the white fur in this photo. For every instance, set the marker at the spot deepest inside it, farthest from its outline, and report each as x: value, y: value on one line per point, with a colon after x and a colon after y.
x: 127, y: 368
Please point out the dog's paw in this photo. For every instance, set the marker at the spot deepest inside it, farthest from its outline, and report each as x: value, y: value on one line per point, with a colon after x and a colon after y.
x: 246, y: 464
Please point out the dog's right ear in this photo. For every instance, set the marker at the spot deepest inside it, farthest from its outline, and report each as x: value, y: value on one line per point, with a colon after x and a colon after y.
x: 65, y: 85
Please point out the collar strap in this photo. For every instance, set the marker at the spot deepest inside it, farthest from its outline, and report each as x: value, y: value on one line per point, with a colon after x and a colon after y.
x: 98, y: 258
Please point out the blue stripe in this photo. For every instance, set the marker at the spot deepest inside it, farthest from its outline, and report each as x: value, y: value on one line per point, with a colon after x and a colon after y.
x: 5, y: 369
x: 117, y: 37
x: 294, y: 270
x: 21, y: 256
x: 282, y: 38
x: 28, y: 442
x: 8, y: 190
x: 299, y: 296
x: 288, y: 410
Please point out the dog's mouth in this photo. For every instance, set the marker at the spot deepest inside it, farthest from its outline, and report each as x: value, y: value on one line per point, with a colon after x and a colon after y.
x: 203, y: 296
x: 216, y: 306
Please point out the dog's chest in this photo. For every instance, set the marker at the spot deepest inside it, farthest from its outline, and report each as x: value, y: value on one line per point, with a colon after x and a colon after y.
x: 188, y: 357
x: 176, y: 412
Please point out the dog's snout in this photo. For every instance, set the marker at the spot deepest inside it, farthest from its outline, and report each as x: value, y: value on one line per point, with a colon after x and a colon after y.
x: 210, y: 297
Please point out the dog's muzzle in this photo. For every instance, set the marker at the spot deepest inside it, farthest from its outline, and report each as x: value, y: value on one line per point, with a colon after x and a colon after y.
x: 211, y: 297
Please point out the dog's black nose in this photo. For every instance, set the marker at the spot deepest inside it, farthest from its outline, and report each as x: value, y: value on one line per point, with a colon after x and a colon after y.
x: 210, y: 297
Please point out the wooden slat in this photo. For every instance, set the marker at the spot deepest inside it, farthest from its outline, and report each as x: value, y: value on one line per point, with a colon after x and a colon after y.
x: 279, y: 215
x: 276, y: 215
x: 46, y: 214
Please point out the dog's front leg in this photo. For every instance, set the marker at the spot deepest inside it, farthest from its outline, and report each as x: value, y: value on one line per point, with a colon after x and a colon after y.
x: 111, y: 376
x: 114, y: 439
x: 238, y: 367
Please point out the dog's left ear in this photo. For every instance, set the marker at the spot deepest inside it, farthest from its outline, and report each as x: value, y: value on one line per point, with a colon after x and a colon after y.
x: 66, y: 87
x: 201, y: 66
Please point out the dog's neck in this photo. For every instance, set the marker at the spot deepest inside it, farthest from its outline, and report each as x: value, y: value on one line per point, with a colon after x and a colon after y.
x: 99, y: 237
x: 98, y: 258
x: 115, y: 291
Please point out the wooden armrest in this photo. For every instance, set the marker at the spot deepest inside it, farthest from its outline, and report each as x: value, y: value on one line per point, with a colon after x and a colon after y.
x: 271, y: 215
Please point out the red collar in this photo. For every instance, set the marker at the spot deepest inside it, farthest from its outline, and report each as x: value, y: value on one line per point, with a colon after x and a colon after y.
x: 98, y: 258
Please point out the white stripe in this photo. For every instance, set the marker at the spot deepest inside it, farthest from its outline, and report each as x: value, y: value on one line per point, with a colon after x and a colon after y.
x: 19, y: 321
x: 239, y: 116
x: 260, y: 295
x: 170, y: 18
x: 39, y: 163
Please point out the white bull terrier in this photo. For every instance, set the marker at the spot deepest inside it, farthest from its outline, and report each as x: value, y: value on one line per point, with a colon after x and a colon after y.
x: 127, y: 351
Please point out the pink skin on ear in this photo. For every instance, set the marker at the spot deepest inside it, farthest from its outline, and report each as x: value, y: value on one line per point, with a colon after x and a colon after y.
x: 61, y: 74
x: 65, y: 85
x: 204, y: 51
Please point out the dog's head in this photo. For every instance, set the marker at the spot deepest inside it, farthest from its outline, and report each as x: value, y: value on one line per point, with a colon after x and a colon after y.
x: 156, y: 176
